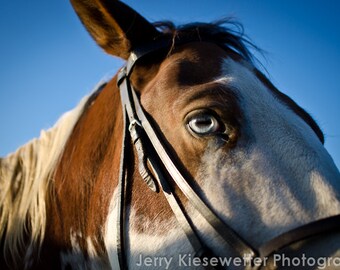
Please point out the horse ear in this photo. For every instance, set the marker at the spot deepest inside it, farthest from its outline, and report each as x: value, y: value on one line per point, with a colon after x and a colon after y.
x: 114, y: 26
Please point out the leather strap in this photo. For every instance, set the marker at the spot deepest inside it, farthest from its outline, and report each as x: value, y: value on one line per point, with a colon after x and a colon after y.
x: 316, y: 228
x: 119, y: 255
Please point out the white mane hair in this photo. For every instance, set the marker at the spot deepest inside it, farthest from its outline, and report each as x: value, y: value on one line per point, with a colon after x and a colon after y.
x: 25, y: 176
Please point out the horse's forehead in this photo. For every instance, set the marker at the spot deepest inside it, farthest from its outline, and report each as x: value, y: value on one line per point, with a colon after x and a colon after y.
x: 188, y: 71
x: 192, y: 64
x: 194, y: 76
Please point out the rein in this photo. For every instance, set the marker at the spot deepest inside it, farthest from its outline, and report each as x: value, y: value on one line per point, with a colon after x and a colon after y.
x: 151, y: 151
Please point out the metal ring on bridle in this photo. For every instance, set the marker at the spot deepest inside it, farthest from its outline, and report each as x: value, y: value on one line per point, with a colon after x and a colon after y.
x: 133, y: 123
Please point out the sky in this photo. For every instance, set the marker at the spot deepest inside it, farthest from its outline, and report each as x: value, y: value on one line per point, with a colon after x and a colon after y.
x: 48, y: 62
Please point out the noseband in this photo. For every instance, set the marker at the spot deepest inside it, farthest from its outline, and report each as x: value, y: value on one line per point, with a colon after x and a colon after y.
x: 151, y: 152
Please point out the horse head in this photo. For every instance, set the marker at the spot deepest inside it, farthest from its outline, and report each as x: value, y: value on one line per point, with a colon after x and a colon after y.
x: 222, y: 165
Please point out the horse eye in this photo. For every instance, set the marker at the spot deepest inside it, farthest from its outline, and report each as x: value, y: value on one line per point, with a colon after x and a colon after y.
x: 204, y: 124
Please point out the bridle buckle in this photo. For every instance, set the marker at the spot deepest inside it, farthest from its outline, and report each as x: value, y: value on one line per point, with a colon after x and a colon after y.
x: 133, y: 123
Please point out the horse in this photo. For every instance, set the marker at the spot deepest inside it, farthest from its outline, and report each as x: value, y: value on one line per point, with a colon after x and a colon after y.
x: 188, y: 158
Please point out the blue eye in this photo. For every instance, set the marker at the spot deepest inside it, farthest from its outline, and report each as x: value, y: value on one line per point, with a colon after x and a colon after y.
x: 204, y: 124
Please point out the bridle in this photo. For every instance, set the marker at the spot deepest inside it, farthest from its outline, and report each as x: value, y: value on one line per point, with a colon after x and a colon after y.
x: 152, y: 152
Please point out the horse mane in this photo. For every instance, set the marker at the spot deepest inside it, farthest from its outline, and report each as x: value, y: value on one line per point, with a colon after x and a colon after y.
x: 25, y: 176
x: 227, y: 33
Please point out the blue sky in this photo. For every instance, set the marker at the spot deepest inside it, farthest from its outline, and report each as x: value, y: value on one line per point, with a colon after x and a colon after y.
x: 48, y: 61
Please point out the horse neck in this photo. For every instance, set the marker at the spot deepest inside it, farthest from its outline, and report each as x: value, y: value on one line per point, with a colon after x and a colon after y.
x: 87, y: 175
x: 83, y: 194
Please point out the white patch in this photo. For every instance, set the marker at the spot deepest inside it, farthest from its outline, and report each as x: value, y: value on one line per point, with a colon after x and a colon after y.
x: 151, y: 245
x: 91, y: 251
x: 157, y: 248
x: 76, y: 259
x: 110, y: 235
x: 278, y: 177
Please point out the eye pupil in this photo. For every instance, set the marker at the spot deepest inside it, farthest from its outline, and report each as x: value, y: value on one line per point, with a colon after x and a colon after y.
x: 204, y: 124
